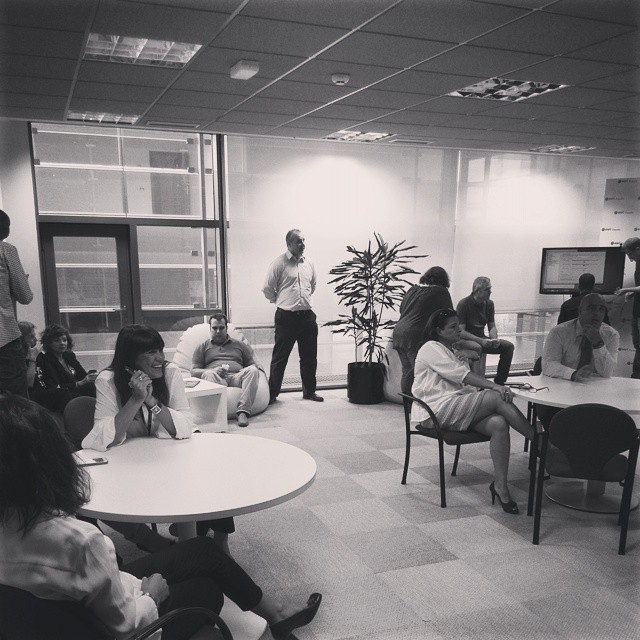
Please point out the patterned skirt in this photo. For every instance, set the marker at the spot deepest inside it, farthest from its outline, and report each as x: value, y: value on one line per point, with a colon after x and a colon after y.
x: 459, y: 410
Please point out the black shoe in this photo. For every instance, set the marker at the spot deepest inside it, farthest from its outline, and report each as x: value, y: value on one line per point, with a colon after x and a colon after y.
x: 312, y: 396
x: 507, y: 507
x: 283, y: 629
x: 272, y: 400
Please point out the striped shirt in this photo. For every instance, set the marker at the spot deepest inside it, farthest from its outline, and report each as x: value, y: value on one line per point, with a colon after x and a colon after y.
x: 14, y: 287
x: 290, y: 282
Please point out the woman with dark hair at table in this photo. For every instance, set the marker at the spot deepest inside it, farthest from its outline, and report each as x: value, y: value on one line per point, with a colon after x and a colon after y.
x: 59, y: 375
x: 45, y: 550
x: 142, y: 395
x: 462, y: 400
x: 419, y: 302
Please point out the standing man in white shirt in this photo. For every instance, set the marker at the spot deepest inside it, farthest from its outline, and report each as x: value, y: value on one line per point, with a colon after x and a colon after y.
x: 14, y: 287
x: 291, y: 280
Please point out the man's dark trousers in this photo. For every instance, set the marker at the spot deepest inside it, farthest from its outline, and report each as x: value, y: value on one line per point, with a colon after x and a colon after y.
x: 292, y: 327
x: 505, y: 351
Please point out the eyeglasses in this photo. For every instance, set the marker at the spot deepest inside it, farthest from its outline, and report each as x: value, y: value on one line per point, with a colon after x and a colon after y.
x: 525, y: 386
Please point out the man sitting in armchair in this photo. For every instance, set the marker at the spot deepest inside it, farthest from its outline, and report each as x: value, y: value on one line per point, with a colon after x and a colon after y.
x: 227, y: 361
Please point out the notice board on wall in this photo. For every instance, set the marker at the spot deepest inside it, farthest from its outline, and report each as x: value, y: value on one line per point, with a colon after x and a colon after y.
x: 621, y: 220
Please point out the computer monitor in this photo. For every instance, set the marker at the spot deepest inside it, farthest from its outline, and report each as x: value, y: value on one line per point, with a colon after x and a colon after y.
x: 561, y: 268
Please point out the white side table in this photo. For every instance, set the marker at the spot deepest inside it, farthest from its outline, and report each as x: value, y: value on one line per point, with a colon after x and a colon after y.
x: 208, y: 402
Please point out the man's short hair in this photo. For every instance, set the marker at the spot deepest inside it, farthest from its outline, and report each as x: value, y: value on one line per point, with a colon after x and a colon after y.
x: 218, y: 315
x: 586, y: 282
x: 290, y: 234
x: 590, y: 298
x: 481, y: 282
x: 630, y: 244
x: 5, y: 225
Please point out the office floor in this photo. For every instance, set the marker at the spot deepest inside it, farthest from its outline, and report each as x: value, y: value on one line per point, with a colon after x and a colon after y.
x: 392, y: 564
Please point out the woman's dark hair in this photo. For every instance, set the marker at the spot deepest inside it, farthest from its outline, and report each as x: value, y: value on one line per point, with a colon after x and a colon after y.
x: 437, y: 320
x: 52, y: 332
x: 38, y: 474
x: 5, y: 225
x: 435, y: 275
x: 133, y: 340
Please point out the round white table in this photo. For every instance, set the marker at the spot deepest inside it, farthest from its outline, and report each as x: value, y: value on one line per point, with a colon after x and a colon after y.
x: 622, y: 393
x: 209, y: 476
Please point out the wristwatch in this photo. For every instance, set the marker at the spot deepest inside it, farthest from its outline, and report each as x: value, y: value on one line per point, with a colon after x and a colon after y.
x: 156, y: 409
x: 598, y: 345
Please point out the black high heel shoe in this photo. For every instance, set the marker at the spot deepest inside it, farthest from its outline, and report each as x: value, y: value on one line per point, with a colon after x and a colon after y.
x: 508, y: 507
x: 283, y: 629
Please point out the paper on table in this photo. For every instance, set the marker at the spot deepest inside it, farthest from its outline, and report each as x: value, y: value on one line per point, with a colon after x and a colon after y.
x: 86, y: 460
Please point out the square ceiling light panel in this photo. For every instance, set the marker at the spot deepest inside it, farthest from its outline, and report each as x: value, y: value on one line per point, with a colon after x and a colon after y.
x: 506, y: 90
x: 156, y: 53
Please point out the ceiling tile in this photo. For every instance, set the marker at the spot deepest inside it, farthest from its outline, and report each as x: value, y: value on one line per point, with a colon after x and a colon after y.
x: 274, y: 36
x: 107, y: 106
x: 480, y: 61
x: 525, y: 110
x: 272, y: 105
x: 66, y: 15
x: 621, y: 11
x: 305, y: 91
x: 632, y: 103
x: 219, y: 60
x: 350, y: 112
x: 326, y: 123
x: 452, y: 104
x: 452, y: 21
x: 220, y: 6
x: 118, y: 17
x: 621, y: 49
x: 333, y: 13
x: 383, y: 99
x: 320, y: 71
x: 570, y: 71
x: 32, y: 100
x: 29, y: 112
x: 218, y: 83
x: 423, y: 118
x: 425, y: 83
x: 389, y: 51
x: 250, y: 117
x: 53, y: 87
x: 237, y: 128
x: 585, y: 116
x: 579, y: 97
x: 550, y: 34
x: 632, y: 120
x: 173, y: 112
x: 113, y: 73
x: 122, y: 92
x: 628, y: 81
x: 200, y: 99
x: 300, y: 132
x: 41, y: 42
x: 36, y: 66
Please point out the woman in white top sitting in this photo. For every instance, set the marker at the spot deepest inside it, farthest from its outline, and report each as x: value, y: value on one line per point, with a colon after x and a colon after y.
x: 45, y: 550
x: 142, y: 395
x: 462, y: 400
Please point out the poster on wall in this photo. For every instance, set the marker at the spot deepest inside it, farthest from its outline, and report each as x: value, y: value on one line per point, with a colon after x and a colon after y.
x: 621, y: 220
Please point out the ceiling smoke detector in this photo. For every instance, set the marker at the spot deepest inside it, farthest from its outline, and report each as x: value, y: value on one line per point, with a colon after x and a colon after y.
x: 340, y: 78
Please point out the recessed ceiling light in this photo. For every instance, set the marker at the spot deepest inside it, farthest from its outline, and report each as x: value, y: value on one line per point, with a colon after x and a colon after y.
x: 560, y: 148
x: 244, y: 69
x: 506, y: 90
x: 156, y: 53
x: 356, y: 136
x: 106, y: 118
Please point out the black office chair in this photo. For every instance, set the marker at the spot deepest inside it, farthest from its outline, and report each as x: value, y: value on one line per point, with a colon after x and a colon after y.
x: 443, y: 436
x: 588, y: 441
x: 78, y: 419
x: 23, y: 616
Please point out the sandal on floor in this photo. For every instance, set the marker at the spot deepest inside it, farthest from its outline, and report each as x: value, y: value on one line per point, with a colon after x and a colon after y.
x: 283, y: 629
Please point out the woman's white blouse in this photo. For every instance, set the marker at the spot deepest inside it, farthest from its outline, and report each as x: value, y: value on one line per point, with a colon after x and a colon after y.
x: 108, y: 405
x: 438, y: 375
x: 66, y: 559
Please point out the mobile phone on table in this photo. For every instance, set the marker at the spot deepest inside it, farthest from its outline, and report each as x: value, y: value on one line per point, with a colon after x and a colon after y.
x: 189, y: 384
x: 84, y: 460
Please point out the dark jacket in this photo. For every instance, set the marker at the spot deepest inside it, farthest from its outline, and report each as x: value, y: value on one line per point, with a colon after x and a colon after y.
x: 569, y: 309
x: 54, y: 386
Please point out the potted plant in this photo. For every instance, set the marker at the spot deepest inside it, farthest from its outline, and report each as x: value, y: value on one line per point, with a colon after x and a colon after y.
x: 371, y: 281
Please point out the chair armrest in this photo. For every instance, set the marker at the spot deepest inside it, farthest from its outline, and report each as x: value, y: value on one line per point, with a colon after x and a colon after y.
x: 213, y: 618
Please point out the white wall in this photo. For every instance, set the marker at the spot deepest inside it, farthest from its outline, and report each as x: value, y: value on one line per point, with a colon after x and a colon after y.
x: 17, y: 200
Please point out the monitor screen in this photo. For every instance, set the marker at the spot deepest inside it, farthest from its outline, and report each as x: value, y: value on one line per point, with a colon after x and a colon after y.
x: 562, y: 267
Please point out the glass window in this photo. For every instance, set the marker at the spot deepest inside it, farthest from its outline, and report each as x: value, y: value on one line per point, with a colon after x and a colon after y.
x: 67, y: 144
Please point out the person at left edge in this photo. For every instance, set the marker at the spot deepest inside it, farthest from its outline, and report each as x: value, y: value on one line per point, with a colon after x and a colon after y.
x: 142, y: 395
x: 14, y: 287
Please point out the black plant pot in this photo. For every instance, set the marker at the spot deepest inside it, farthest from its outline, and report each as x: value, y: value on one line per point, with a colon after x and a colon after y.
x: 364, y: 382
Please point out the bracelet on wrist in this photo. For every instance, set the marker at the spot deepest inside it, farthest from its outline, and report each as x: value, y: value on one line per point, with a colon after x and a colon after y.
x: 146, y: 593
